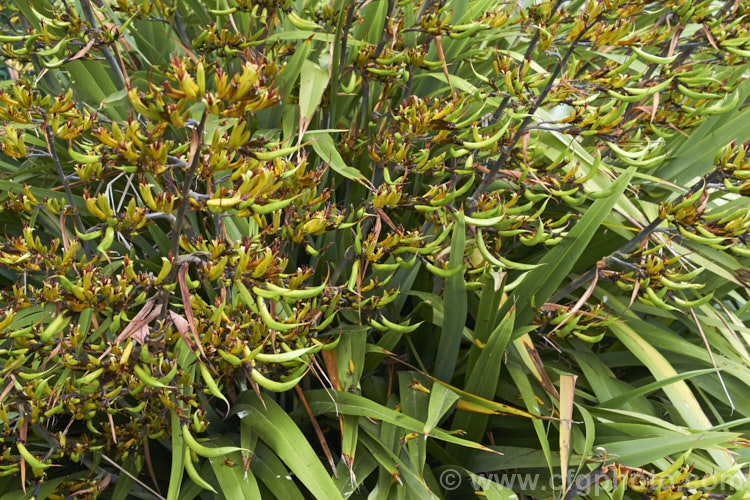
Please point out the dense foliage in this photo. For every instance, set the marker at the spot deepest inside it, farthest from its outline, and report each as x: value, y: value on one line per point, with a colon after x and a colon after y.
x: 351, y: 248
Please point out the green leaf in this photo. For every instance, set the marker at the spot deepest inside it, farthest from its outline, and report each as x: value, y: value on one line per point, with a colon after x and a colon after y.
x: 350, y: 404
x: 441, y: 400
x: 324, y: 147
x: 232, y: 479
x: 636, y: 452
x: 455, y: 295
x: 313, y: 82
x: 271, y: 471
x: 282, y: 435
x: 178, y: 458
x: 615, y: 402
x: 485, y: 376
x: 350, y: 354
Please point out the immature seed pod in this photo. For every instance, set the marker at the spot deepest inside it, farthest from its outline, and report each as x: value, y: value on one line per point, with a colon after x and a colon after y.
x: 205, y: 451
x: 147, y: 379
x: 300, y: 23
x: 29, y: 458
x: 211, y: 385
x: 694, y: 303
x: 193, y: 474
x: 272, y: 323
x: 398, y: 327
x: 652, y: 58
x: 272, y: 385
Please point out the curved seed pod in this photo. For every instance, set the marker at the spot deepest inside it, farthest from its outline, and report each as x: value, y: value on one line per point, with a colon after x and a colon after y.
x: 193, y: 474
x: 377, y: 325
x: 30, y: 459
x: 91, y: 235
x: 515, y: 283
x: 485, y: 253
x: 352, y: 85
x: 269, y: 207
x: 691, y: 275
x: 591, y: 339
x: 136, y: 409
x: 213, y: 388
x: 385, y: 267
x: 56, y: 49
x: 229, y: 358
x: 272, y: 385
x: 327, y: 321
x: 83, y: 158
x: 626, y: 154
x: 652, y: 162
x: 494, y: 139
x: 744, y: 252
x: 652, y: 58
x: 266, y: 294
x: 31, y: 376
x: 300, y: 23
x: 694, y: 94
x: 622, y: 67
x: 55, y: 410
x: 205, y: 451
x: 12, y: 38
x: 295, y: 374
x: 223, y: 12
x: 705, y: 232
x: 307, y: 293
x: 285, y: 357
x: 676, y: 285
x: 649, y: 90
x: 399, y: 328
x: 383, y: 72
x: 89, y: 378
x: 601, y: 194
x: 272, y: 323
x: 704, y: 240
x: 738, y: 52
x: 722, y: 108
x: 443, y: 273
x: 557, y: 192
x: 352, y: 283
x: 147, y: 379
x: 694, y: 303
x: 270, y: 155
x: 223, y: 202
x: 329, y: 346
x: 658, y: 301
x: 537, y: 238
x: 625, y: 98
x: 489, y: 222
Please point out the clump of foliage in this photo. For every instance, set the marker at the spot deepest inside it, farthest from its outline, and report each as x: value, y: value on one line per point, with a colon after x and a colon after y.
x: 249, y: 241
